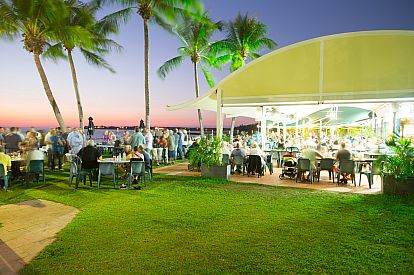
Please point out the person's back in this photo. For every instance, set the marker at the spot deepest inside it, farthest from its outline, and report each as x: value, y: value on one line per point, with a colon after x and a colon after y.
x: 89, y: 156
x: 13, y: 141
x: 238, y: 152
x: 5, y: 160
x: 34, y: 155
x: 343, y: 153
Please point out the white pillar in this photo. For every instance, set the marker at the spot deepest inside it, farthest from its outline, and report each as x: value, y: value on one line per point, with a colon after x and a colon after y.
x: 263, y: 127
x: 320, y: 129
x: 284, y: 130
x: 219, y: 121
x: 297, y: 127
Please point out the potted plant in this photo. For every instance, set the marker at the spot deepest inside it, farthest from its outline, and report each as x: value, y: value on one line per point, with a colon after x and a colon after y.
x: 398, y: 169
x: 207, y: 157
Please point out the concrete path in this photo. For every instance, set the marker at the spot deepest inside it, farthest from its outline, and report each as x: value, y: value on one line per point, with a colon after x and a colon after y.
x: 28, y: 227
x: 324, y: 184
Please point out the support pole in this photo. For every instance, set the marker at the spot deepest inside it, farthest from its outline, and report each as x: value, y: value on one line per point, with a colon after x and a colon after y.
x: 297, y: 127
x: 233, y: 122
x: 284, y: 131
x: 263, y: 127
x: 320, y: 129
x: 219, y: 121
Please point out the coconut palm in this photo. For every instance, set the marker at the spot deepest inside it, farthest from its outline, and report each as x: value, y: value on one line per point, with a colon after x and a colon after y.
x: 151, y: 11
x: 245, y: 37
x: 83, y: 15
x: 195, y: 35
x: 39, y: 22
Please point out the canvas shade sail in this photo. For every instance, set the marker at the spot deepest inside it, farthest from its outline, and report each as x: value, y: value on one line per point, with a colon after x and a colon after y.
x: 369, y: 66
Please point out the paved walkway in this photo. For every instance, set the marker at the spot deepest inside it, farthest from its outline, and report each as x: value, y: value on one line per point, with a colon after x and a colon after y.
x: 267, y: 179
x: 28, y: 227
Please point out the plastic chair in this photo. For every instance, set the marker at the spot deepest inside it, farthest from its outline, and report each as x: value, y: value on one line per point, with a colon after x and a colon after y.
x: 4, y: 176
x: 347, y: 167
x: 254, y: 165
x: 302, y: 167
x: 74, y: 162
x: 35, y: 167
x: 137, y: 169
x: 375, y: 170
x: 225, y: 159
x: 106, y: 169
x: 239, y: 162
x: 326, y: 165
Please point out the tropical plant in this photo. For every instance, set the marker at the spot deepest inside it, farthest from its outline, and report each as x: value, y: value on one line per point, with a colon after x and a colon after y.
x: 245, y: 38
x: 401, y: 163
x: 39, y: 22
x: 208, y: 152
x: 195, y: 35
x: 161, y: 12
x: 83, y: 15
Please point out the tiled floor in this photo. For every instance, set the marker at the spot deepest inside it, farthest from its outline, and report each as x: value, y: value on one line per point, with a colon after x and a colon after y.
x: 27, y: 228
x: 267, y: 179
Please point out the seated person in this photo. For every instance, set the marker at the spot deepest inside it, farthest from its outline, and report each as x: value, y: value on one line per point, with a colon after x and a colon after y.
x: 310, y: 153
x: 343, y: 154
x: 256, y: 151
x: 237, y: 151
x: 34, y: 155
x: 89, y: 156
x: 5, y: 160
x: 147, y: 157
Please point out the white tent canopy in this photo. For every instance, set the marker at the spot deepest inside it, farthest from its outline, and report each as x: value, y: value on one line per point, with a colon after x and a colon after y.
x: 359, y: 67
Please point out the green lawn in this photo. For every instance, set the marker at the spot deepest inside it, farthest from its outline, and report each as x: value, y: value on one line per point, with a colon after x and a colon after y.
x: 196, y: 225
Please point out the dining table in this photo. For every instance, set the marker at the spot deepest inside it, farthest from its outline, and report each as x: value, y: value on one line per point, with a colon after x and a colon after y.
x: 116, y: 161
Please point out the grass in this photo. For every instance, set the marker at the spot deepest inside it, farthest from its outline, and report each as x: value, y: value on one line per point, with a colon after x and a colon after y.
x: 197, y: 225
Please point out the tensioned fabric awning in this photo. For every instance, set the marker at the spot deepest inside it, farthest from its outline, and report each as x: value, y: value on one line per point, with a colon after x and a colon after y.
x: 368, y: 66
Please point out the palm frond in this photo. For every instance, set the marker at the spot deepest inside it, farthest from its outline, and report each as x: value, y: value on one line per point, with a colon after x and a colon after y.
x: 169, y: 66
x: 209, y: 77
x: 54, y: 52
x: 96, y: 60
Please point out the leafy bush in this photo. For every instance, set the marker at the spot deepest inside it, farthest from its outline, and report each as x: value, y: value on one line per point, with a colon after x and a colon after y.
x: 207, y: 152
x: 400, y: 165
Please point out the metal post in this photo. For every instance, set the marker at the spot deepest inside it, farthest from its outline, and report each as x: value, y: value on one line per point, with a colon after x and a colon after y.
x: 263, y: 127
x: 219, y: 121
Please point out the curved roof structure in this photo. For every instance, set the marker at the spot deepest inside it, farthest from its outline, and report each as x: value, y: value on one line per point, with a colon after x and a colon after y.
x: 368, y: 66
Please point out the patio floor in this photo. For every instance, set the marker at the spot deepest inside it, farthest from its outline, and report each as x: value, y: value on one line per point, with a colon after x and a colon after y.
x: 273, y: 180
x: 28, y: 227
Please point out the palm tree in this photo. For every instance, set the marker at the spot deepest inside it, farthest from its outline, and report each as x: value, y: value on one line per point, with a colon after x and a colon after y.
x: 195, y: 35
x: 155, y: 11
x: 245, y: 37
x: 39, y: 22
x: 83, y: 15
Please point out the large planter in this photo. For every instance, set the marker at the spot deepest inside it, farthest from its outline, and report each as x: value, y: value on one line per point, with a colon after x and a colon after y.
x: 217, y: 172
x: 392, y: 187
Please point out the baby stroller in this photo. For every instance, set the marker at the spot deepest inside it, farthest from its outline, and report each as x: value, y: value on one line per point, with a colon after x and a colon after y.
x: 289, y: 166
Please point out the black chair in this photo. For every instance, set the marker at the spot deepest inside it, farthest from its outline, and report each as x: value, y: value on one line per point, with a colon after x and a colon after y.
x: 347, y: 167
x: 254, y: 165
x: 35, y: 167
x: 304, y: 166
x: 4, y: 176
x: 375, y: 169
x: 326, y: 165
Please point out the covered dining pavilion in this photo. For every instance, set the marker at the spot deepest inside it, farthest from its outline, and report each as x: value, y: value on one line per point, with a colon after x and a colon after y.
x: 368, y: 70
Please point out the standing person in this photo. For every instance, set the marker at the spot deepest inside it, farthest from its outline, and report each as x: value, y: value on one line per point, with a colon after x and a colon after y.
x: 57, y: 149
x: 1, y: 136
x: 48, y: 142
x: 126, y: 138
x: 176, y: 138
x: 184, y: 141
x: 156, y: 150
x: 75, y: 141
x: 171, y: 147
x: 19, y: 132
x: 65, y: 145
x: 148, y: 139
x: 5, y: 160
x: 180, y: 145
x: 164, y: 146
x: 137, y: 138
x: 13, y: 141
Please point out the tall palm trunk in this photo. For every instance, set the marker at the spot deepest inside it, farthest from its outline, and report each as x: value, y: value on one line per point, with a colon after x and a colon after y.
x: 76, y: 87
x: 48, y: 92
x: 200, y: 118
x: 146, y: 61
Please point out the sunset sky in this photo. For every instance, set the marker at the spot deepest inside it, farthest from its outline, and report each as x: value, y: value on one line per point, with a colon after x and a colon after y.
x: 118, y: 99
